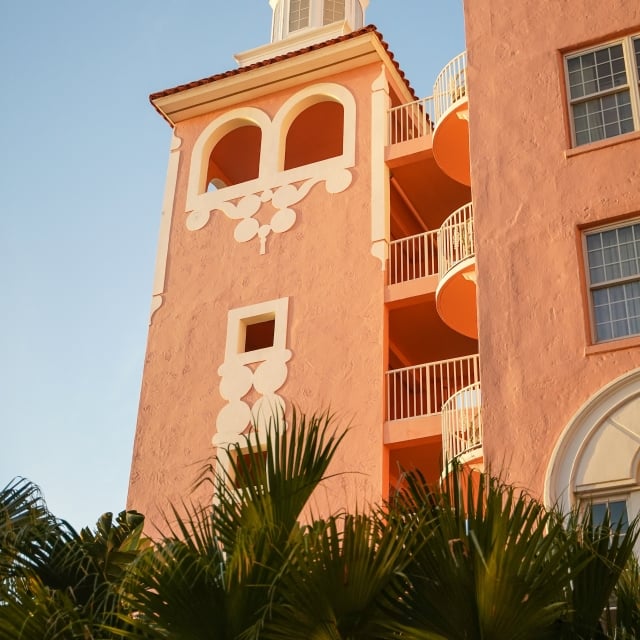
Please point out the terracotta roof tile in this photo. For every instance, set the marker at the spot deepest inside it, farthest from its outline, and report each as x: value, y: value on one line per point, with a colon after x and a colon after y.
x: 263, y: 63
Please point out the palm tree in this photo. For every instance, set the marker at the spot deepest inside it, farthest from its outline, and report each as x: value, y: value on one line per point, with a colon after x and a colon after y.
x: 340, y: 580
x: 56, y: 582
x: 212, y: 574
x: 496, y: 564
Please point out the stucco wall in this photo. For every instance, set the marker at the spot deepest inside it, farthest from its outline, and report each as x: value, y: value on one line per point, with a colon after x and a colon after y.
x: 335, y: 329
x: 531, y: 198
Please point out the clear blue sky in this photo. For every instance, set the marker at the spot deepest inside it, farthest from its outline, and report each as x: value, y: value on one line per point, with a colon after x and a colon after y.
x: 83, y: 167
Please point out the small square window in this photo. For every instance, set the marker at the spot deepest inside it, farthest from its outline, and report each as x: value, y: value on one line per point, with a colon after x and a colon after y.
x: 259, y: 334
x: 246, y: 474
x: 256, y: 331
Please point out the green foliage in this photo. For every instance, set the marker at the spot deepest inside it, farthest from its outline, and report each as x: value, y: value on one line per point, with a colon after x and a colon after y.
x: 474, y: 558
x: 56, y: 583
x: 212, y: 575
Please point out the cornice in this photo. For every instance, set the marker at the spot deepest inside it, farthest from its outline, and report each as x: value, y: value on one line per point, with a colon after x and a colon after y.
x: 249, y: 83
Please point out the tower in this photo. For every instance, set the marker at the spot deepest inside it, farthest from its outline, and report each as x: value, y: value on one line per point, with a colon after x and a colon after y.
x: 298, y: 261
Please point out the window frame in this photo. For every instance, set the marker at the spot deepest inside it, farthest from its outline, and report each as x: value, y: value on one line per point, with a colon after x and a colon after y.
x: 591, y: 286
x: 632, y: 86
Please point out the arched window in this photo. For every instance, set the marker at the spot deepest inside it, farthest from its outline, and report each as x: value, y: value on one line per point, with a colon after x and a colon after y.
x: 596, y: 461
x: 235, y: 158
x: 315, y: 134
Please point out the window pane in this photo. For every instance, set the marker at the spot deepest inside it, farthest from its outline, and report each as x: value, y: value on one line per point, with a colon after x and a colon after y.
x: 596, y: 71
x: 618, y: 514
x: 334, y: 10
x: 613, y: 258
x: 598, y: 512
x: 298, y: 14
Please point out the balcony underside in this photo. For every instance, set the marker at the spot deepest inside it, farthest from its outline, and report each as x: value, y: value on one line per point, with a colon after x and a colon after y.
x: 451, y: 142
x: 411, y: 292
x: 410, y: 429
x: 456, y: 298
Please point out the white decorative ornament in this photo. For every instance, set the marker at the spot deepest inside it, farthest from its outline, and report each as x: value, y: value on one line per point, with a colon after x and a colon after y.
x: 283, y: 188
x: 239, y: 377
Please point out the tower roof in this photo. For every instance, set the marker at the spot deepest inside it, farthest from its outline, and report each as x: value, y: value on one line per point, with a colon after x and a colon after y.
x: 190, y: 99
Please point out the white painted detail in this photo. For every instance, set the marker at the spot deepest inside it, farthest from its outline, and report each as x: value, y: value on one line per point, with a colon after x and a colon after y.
x: 380, y: 199
x: 238, y: 377
x: 282, y: 188
x: 165, y: 226
x: 598, y: 452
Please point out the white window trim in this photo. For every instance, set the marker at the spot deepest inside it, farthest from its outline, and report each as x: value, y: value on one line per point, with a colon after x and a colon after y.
x: 591, y: 287
x: 632, y: 85
x: 237, y: 321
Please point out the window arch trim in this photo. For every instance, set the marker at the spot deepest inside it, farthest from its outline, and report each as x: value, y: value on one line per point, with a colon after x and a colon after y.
x: 562, y: 470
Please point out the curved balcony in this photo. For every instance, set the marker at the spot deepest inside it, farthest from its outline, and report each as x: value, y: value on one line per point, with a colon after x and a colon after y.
x: 462, y: 426
x: 456, y: 292
x: 451, y: 113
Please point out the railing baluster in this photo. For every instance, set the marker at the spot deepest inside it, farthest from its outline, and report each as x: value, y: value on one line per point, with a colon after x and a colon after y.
x: 410, y: 121
x: 424, y: 389
x: 413, y: 257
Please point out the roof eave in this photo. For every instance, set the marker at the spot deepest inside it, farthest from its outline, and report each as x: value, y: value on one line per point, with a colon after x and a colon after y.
x: 247, y: 83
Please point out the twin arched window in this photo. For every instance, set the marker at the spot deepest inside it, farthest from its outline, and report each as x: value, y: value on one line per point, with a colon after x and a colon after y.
x: 316, y: 133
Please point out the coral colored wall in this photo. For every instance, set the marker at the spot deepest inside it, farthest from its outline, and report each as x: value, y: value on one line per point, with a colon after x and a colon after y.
x: 335, y: 327
x: 530, y: 199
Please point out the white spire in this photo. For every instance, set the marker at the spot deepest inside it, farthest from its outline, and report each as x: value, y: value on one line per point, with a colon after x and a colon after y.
x: 300, y: 23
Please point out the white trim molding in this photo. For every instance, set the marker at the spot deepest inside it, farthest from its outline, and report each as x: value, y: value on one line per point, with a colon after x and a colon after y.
x: 599, y: 449
x: 168, y: 203
x: 238, y: 376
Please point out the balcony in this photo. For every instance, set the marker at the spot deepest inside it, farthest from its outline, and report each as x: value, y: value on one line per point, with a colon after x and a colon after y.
x: 462, y: 426
x: 412, y: 268
x: 409, y: 130
x: 417, y: 395
x: 451, y: 114
x: 456, y: 291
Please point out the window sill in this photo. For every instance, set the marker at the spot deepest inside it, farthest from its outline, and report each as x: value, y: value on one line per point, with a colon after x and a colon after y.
x: 612, y: 345
x: 601, y: 144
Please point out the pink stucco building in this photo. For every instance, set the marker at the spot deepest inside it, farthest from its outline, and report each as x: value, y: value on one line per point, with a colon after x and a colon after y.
x: 456, y: 276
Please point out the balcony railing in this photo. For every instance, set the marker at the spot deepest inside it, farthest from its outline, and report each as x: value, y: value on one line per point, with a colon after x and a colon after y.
x: 456, y: 239
x: 423, y: 389
x: 410, y: 121
x: 413, y: 257
x: 461, y: 423
x: 450, y: 85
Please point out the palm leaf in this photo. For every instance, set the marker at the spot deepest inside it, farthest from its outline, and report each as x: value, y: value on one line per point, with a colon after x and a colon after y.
x: 339, y: 579
x: 494, y: 565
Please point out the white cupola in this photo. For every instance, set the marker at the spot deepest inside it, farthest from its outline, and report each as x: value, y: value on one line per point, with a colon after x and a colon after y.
x: 301, y: 23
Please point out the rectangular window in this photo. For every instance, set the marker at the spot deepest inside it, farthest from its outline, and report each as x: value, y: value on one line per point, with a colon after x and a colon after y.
x: 613, y: 271
x: 603, y: 89
x: 333, y: 11
x: 298, y: 14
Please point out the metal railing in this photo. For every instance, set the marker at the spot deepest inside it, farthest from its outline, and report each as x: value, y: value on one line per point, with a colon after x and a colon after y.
x: 413, y: 257
x: 461, y: 423
x: 423, y: 389
x: 450, y: 85
x: 456, y: 238
x: 410, y: 121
